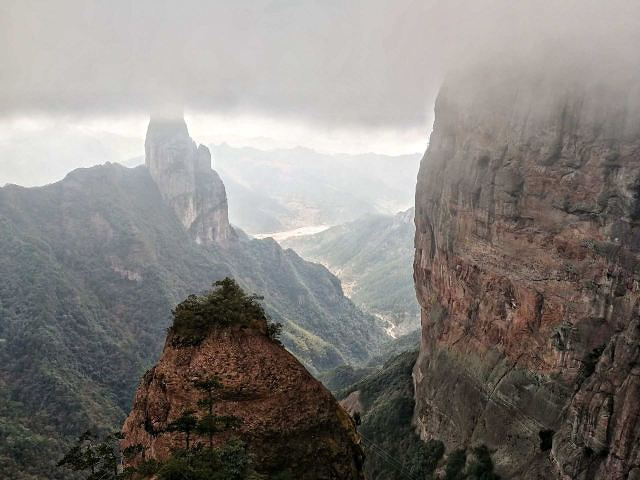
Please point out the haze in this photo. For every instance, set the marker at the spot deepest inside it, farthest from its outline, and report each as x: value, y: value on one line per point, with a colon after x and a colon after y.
x: 331, y: 75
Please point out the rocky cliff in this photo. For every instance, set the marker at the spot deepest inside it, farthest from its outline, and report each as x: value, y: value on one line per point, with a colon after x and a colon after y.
x: 182, y: 170
x: 527, y: 267
x: 290, y: 422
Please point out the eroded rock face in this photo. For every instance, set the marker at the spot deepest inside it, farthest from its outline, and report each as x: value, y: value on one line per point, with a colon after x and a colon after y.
x: 289, y: 420
x: 182, y: 170
x: 527, y: 270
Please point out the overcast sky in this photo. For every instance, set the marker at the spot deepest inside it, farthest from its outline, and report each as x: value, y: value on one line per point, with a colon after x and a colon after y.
x: 338, y: 75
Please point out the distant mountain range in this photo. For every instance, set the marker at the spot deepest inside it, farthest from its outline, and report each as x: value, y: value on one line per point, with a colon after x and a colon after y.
x: 269, y: 190
x: 276, y: 190
x: 373, y: 258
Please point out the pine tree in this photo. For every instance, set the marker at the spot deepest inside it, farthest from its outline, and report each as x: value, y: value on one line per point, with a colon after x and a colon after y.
x: 211, y: 424
x: 186, y: 424
x: 100, y: 458
x: 208, y: 386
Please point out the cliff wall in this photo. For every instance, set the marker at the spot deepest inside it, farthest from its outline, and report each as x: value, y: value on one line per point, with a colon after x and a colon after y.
x: 182, y: 170
x: 527, y: 270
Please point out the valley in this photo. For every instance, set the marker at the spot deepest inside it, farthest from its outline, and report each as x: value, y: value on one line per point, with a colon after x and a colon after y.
x: 372, y: 256
x: 92, y: 266
x: 320, y: 240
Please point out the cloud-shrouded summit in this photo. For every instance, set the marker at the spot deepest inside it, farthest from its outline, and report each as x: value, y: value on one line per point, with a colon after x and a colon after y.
x: 361, y: 62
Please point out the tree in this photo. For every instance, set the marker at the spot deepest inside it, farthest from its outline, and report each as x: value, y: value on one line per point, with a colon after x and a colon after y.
x: 211, y: 424
x: 186, y: 424
x: 357, y: 418
x: 481, y: 468
x: 425, y: 458
x: 274, y: 330
x: 456, y: 461
x: 225, y: 304
x: 99, y: 459
x: 208, y: 386
x: 133, y: 451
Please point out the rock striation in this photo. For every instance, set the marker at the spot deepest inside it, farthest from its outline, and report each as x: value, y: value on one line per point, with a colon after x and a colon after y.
x: 291, y: 423
x: 182, y: 170
x: 527, y: 270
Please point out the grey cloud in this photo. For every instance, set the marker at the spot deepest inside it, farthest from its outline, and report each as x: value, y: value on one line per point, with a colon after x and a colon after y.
x: 335, y: 62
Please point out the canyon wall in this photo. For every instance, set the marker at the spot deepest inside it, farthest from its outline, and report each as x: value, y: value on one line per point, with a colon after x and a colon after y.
x: 527, y: 267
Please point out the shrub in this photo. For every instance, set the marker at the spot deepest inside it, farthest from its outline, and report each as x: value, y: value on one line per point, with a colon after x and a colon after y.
x: 456, y: 461
x: 481, y: 467
x: 227, y: 462
x: 274, y: 330
x: 226, y: 304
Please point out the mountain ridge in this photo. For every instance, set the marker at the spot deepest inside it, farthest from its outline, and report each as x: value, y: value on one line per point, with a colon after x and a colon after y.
x: 92, y: 266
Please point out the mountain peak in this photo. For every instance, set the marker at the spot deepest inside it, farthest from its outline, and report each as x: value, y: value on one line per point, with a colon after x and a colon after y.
x: 256, y: 383
x: 182, y: 171
x: 163, y: 128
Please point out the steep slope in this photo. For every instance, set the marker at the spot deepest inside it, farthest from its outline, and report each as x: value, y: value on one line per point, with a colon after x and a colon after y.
x: 182, y: 171
x: 385, y: 401
x: 292, y: 425
x: 77, y: 259
x: 526, y: 269
x: 373, y: 257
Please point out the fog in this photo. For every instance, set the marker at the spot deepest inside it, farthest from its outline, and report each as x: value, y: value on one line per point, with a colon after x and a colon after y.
x: 367, y: 62
x: 360, y: 69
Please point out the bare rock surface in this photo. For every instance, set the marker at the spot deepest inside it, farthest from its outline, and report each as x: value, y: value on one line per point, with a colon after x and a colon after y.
x: 527, y: 271
x: 182, y: 170
x: 288, y: 419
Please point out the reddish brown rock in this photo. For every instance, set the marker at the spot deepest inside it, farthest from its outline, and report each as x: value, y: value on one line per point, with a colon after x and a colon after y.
x: 527, y: 269
x: 289, y: 420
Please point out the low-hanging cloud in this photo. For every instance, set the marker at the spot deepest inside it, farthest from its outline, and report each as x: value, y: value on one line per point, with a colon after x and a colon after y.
x: 332, y: 62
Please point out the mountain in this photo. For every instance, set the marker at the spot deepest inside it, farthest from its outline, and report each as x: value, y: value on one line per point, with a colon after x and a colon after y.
x: 182, y: 171
x: 280, y: 190
x: 92, y: 266
x: 291, y: 425
x: 527, y: 269
x: 372, y: 256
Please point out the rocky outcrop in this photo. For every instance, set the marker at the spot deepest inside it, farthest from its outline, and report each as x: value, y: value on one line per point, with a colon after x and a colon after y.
x: 527, y: 270
x: 290, y: 422
x: 182, y: 170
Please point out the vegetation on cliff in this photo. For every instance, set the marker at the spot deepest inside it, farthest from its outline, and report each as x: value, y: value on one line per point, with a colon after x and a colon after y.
x: 225, y: 305
x: 199, y: 459
x: 393, y: 450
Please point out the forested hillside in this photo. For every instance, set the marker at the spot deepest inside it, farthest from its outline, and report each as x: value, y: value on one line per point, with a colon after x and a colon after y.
x: 373, y: 257
x: 91, y: 268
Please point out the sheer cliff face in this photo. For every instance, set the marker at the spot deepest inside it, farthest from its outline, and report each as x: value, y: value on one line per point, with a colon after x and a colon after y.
x: 186, y: 181
x: 527, y: 268
x: 288, y: 419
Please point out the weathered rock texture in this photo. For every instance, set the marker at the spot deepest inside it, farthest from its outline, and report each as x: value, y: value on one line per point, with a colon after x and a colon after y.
x: 182, y: 170
x: 289, y: 420
x: 527, y: 270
